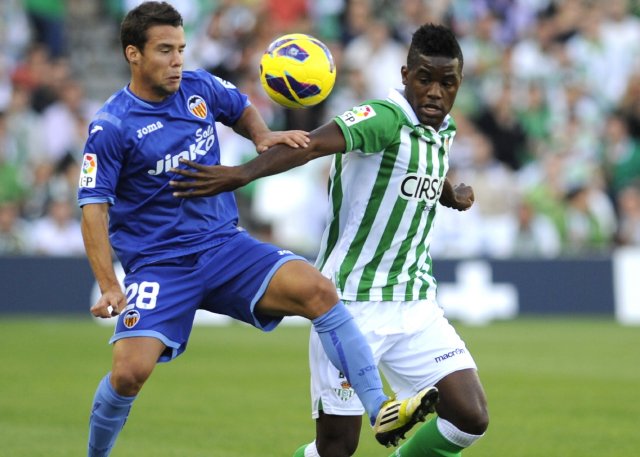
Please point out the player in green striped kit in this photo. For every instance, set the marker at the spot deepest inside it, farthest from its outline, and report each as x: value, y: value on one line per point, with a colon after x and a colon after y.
x: 388, y: 175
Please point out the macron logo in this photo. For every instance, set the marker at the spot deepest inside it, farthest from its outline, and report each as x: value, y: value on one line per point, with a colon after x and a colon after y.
x: 148, y: 129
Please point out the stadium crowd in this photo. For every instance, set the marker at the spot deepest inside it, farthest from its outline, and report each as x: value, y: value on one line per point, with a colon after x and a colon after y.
x: 548, y: 116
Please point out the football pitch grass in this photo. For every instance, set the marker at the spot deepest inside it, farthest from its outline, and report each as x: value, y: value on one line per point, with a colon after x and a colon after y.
x: 556, y: 387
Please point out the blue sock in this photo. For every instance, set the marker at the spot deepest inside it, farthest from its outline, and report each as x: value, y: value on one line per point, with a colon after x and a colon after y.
x: 108, y: 415
x: 349, y: 351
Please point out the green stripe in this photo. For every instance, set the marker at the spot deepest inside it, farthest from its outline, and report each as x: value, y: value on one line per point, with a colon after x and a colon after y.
x: 421, y: 246
x: 441, y: 171
x: 398, y: 261
x: 368, y: 276
x: 357, y: 245
x: 336, y: 203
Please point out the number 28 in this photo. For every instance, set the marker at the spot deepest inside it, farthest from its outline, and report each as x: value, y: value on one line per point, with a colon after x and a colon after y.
x: 145, y: 294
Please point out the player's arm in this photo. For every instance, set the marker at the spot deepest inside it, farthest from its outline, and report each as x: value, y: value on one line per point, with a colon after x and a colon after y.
x: 460, y: 197
x: 251, y: 125
x: 205, y: 180
x: 96, y: 242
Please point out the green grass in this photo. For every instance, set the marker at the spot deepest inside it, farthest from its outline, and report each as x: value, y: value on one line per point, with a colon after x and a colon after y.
x: 562, y: 387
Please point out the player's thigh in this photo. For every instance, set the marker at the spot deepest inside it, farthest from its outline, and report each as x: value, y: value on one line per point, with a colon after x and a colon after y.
x: 162, y: 299
x: 425, y: 357
x: 297, y: 288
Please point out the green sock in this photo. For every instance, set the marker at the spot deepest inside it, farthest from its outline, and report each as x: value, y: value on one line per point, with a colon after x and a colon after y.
x: 427, y: 441
x: 300, y: 451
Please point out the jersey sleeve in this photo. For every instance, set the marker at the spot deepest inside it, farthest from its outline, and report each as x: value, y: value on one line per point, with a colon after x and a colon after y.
x: 228, y: 102
x: 368, y: 128
x: 101, y: 163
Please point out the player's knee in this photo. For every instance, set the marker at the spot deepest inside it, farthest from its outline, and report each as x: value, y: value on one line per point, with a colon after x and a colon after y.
x: 128, y: 381
x: 475, y: 421
x: 321, y: 296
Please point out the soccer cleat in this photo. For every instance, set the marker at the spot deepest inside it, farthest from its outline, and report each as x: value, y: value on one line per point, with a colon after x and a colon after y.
x: 398, y: 417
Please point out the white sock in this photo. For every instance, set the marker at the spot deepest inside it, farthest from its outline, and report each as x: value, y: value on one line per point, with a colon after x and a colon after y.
x: 454, y: 434
x: 311, y: 450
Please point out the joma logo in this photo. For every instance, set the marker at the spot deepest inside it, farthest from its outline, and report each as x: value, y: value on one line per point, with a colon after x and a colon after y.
x: 149, y: 128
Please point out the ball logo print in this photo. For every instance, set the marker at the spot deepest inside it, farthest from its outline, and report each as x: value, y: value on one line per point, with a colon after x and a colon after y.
x: 297, y: 71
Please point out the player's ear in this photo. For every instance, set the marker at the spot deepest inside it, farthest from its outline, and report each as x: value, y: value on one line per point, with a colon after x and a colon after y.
x: 404, y: 71
x: 132, y: 53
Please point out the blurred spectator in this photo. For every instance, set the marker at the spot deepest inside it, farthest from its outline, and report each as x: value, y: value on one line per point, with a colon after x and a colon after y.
x: 495, y: 190
x: 65, y: 122
x: 288, y: 16
x: 15, y: 32
x: 620, y: 154
x: 39, y: 191
x: 375, y: 50
x: 47, y: 19
x: 533, y: 234
x: 621, y: 32
x: 350, y: 90
x: 483, y: 58
x: 500, y: 124
x: 356, y: 19
x: 24, y: 125
x: 13, y: 231
x: 217, y: 45
x: 411, y: 14
x: 58, y: 233
x: 12, y: 187
x: 628, y: 201
x: 589, y: 220
x: 535, y: 117
x: 630, y: 105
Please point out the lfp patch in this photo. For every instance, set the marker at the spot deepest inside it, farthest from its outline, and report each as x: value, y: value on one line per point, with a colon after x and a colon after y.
x: 88, y: 171
x: 358, y: 114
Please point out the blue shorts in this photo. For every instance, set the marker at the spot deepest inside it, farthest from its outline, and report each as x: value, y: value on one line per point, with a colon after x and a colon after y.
x: 229, y: 279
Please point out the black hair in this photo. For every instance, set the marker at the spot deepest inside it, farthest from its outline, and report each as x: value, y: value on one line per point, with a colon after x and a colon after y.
x: 133, y: 30
x: 434, y: 40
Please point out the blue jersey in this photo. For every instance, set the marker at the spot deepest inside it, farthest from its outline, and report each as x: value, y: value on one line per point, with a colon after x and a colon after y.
x: 131, y: 146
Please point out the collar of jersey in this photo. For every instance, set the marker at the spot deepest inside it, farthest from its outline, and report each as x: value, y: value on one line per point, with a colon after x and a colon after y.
x: 397, y: 96
x: 147, y: 103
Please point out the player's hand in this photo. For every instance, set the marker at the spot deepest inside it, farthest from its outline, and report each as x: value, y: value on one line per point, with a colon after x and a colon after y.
x: 292, y: 138
x: 463, y: 197
x: 110, y: 304
x: 204, y: 180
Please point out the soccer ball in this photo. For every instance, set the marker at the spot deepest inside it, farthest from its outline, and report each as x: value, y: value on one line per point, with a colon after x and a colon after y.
x: 297, y: 71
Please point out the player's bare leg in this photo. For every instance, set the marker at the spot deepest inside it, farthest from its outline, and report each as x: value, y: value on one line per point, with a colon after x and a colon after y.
x: 133, y: 361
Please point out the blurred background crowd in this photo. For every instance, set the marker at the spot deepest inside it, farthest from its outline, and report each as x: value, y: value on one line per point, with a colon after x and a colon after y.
x: 548, y: 114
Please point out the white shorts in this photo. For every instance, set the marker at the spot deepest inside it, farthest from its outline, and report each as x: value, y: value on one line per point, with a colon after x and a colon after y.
x: 413, y: 344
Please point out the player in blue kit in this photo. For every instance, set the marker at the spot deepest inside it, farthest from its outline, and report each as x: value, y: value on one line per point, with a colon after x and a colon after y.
x: 182, y: 255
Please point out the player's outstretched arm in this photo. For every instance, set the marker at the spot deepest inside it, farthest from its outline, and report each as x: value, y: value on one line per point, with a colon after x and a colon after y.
x: 207, y: 180
x: 96, y: 243
x: 252, y: 126
x: 460, y: 197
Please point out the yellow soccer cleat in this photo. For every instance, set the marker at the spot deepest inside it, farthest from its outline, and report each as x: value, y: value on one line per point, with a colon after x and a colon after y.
x: 398, y: 417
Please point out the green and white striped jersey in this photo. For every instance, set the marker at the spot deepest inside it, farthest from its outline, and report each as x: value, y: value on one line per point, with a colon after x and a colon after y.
x: 383, y: 196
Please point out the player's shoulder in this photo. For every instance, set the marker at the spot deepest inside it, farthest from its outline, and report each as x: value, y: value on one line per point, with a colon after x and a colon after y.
x: 373, y: 111
x: 201, y: 76
x: 114, y: 111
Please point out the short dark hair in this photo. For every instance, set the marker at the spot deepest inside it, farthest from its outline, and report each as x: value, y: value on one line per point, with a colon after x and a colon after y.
x: 434, y: 40
x: 133, y: 30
